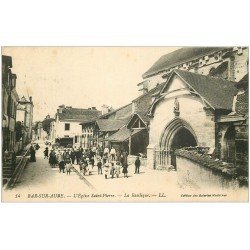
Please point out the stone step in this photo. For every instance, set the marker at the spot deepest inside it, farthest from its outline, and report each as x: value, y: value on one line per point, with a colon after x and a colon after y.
x: 7, y: 175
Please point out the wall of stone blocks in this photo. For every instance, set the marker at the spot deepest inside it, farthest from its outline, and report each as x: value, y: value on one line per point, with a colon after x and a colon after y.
x: 241, y: 143
x: 241, y: 65
x: 241, y: 106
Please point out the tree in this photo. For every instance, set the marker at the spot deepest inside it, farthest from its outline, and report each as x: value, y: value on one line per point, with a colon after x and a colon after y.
x: 46, y: 124
x: 19, y: 131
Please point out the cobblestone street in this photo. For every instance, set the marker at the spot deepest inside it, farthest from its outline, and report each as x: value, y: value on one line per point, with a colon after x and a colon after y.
x: 39, y: 180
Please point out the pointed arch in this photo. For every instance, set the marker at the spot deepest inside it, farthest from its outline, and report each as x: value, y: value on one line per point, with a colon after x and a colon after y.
x: 172, y: 129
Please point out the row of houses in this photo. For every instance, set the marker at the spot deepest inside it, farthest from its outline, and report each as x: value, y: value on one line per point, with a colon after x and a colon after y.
x: 38, y: 132
x: 17, y: 117
x: 190, y: 97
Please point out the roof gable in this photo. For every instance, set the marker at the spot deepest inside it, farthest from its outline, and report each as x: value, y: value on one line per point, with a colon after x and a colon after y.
x: 216, y: 92
x: 174, y: 83
x: 138, y: 117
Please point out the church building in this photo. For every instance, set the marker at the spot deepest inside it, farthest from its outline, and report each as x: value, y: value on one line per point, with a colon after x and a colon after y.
x: 195, y: 107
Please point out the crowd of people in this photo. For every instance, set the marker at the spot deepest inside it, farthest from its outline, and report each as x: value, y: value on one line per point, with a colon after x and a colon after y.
x: 107, y: 161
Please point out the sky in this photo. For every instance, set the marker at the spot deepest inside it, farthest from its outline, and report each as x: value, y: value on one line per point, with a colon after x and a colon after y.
x: 80, y: 77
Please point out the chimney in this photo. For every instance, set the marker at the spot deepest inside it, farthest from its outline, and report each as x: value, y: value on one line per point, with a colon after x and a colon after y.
x: 30, y: 99
x: 61, y: 108
x: 93, y: 108
x: 105, y: 109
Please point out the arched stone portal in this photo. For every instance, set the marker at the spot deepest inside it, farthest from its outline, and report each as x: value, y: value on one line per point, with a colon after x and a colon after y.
x: 177, y: 134
x: 182, y: 138
x: 175, y: 127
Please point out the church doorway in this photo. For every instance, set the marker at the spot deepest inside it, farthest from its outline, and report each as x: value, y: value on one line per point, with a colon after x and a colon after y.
x: 182, y: 138
x: 176, y: 135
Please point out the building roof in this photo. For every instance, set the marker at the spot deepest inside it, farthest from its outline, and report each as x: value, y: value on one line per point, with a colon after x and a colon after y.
x: 91, y: 121
x: 220, y: 69
x: 108, y: 125
x: 123, y: 134
x: 124, y: 110
x: 243, y: 82
x: 179, y: 56
x: 150, y: 92
x: 121, y: 113
x: 78, y: 115
x: 143, y: 117
x: 217, y: 92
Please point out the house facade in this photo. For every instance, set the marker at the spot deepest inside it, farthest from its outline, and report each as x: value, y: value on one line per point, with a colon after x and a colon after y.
x: 9, y: 104
x: 66, y: 129
x: 10, y: 100
x: 89, y: 138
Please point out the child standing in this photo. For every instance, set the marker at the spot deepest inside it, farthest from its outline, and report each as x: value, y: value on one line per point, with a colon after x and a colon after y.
x: 112, y: 170
x: 117, y: 169
x: 85, y: 166
x: 137, y: 165
x: 68, y: 165
x: 99, y: 165
x: 125, y: 170
x: 90, y: 167
x: 106, y: 170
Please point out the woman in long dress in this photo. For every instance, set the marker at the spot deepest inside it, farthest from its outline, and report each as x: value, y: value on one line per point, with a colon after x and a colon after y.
x: 46, y: 153
x: 32, y: 154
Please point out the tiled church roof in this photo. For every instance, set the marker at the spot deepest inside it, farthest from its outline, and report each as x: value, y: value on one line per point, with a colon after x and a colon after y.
x: 180, y: 56
x: 219, y: 93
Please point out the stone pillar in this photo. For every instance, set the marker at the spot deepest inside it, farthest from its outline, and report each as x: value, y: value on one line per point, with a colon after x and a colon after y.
x: 150, y: 156
x: 129, y: 145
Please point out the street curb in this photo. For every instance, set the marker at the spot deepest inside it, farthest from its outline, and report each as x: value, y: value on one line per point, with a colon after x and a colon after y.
x: 83, y: 178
